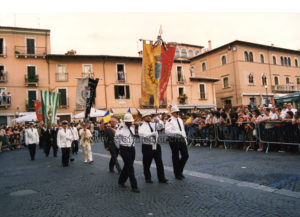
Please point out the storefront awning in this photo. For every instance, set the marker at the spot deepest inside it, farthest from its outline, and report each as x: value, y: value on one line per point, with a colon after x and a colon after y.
x: 117, y: 111
x: 198, y: 106
x: 153, y: 111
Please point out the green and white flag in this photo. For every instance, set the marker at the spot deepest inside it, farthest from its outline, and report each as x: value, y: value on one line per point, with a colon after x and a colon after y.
x: 49, y: 106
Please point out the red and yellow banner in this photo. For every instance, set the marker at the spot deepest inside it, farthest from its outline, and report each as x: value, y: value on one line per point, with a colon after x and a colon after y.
x: 157, y: 65
x: 38, y: 111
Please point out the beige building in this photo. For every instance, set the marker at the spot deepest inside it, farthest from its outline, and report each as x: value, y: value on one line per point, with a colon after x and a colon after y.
x: 27, y: 66
x: 247, y: 70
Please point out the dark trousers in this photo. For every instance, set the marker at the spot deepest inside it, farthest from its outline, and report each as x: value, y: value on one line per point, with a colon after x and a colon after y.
x: 32, y: 148
x: 75, y: 146
x: 128, y: 155
x: 47, y: 147
x: 177, y: 146
x: 114, y: 151
x: 148, y: 156
x: 65, y: 158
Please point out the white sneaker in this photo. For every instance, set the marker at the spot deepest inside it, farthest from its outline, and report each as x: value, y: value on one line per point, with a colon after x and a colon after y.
x: 85, y: 161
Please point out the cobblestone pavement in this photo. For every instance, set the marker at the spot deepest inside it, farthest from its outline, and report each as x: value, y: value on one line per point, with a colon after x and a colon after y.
x: 43, y: 188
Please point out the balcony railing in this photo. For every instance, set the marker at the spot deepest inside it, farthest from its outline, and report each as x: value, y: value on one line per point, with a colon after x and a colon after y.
x: 3, y: 77
x: 88, y: 74
x: 31, y: 80
x: 182, y: 99
x: 62, y: 76
x: 163, y: 104
x: 5, y: 100
x: 29, y: 106
x: 286, y: 88
x: 3, y: 52
x: 24, y: 52
x: 181, y: 80
x: 65, y: 105
x: 121, y: 77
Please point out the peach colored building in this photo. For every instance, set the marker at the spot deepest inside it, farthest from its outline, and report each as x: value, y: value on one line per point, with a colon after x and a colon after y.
x: 248, y: 70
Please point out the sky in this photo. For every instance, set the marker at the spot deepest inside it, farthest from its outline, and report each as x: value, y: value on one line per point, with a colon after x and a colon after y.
x: 118, y: 33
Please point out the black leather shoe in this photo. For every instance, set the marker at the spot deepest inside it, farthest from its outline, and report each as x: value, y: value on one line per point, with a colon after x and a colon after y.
x: 182, y: 176
x: 163, y: 181
x: 111, y: 171
x: 135, y: 190
x: 72, y: 159
x: 91, y: 162
x: 179, y: 177
x: 122, y: 185
x: 149, y: 181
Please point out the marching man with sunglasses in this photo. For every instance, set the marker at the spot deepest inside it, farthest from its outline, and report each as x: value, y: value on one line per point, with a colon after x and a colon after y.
x: 178, y: 142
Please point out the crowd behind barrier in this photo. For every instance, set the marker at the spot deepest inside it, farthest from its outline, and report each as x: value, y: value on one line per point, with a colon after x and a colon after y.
x: 257, y: 128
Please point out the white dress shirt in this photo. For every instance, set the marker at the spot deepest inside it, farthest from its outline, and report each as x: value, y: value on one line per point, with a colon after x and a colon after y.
x: 64, y: 138
x: 123, y: 137
x: 31, y: 136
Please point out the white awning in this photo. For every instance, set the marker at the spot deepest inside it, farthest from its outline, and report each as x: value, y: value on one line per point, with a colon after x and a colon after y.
x: 199, y: 106
x: 117, y: 111
x: 153, y: 111
x: 94, y: 113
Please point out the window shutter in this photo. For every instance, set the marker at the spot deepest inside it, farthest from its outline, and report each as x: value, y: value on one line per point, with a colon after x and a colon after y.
x: 116, y: 92
x: 30, y: 46
x: 63, y: 97
x: 1, y: 46
x: 31, y: 71
x: 31, y: 97
x: 127, y: 92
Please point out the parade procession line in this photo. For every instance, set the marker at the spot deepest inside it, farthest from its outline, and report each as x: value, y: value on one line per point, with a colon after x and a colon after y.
x: 238, y: 183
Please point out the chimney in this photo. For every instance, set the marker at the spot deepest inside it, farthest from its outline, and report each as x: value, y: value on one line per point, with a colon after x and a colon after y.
x: 209, y: 45
x: 71, y: 52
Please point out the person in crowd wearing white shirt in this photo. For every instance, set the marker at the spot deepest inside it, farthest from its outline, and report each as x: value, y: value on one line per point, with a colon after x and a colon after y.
x: 148, y: 132
x: 124, y: 138
x: 74, y: 132
x: 86, y: 143
x: 177, y: 141
x: 290, y: 108
x: 64, y: 140
x: 31, y: 139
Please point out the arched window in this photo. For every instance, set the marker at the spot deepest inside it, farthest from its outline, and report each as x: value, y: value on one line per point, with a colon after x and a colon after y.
x: 296, y: 62
x: 264, y: 80
x: 177, y: 52
x: 250, y: 79
x: 281, y: 60
x: 183, y: 52
x: 197, y: 52
x: 262, y: 59
x: 246, y: 56
x: 276, y: 81
x: 250, y: 56
x: 203, y: 67
x: 274, y: 60
x: 289, y: 61
x: 224, y: 60
x: 191, y: 53
x: 285, y: 61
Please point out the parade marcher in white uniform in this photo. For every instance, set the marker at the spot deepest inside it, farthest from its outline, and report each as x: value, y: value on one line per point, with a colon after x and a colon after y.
x: 150, y: 148
x: 31, y: 139
x: 64, y: 140
x: 86, y: 143
x: 178, y: 142
x: 124, y: 138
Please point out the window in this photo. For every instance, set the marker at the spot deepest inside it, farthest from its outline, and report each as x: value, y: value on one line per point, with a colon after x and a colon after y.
x: 287, y: 80
x: 121, y: 71
x: 30, y: 46
x: 250, y: 79
x: 281, y: 60
x: 225, y: 82
x: 285, y: 61
x: 202, y: 91
x: 246, y: 56
x: 262, y: 59
x: 197, y: 52
x: 203, y: 67
x: 274, y: 60
x: 181, y: 91
x: 177, y: 52
x: 223, y: 60
x: 183, y: 52
x: 296, y: 62
x: 63, y: 102
x: 2, y: 73
x: 289, y: 62
x: 31, y: 73
x: 31, y: 97
x: 1, y: 46
x: 250, y: 56
x: 87, y: 71
x: 180, y: 77
x: 276, y: 80
x: 192, y: 70
x: 298, y: 81
x: 264, y: 80
x: 191, y: 53
x: 61, y: 74
x: 122, y: 92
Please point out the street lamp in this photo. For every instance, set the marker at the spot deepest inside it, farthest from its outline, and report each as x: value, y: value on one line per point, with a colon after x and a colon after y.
x: 267, y: 100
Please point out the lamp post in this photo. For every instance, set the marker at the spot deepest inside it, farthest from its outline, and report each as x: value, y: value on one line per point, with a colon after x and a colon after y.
x: 267, y: 98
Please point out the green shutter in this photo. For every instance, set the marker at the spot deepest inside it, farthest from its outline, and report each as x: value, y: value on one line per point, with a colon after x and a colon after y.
x: 31, y: 97
x: 63, y: 97
x: 30, y: 46
x: 31, y: 72
x: 116, y: 92
x: 127, y: 92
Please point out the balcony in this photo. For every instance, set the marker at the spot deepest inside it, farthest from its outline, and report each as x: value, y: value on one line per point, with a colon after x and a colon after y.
x: 163, y: 104
x: 286, y: 88
x: 87, y: 74
x: 62, y: 76
x: 3, y: 52
x: 26, y: 52
x: 182, y: 99
x: 65, y: 104
x: 5, y: 100
x: 3, y: 77
x: 31, y: 80
x: 29, y: 106
x: 181, y: 80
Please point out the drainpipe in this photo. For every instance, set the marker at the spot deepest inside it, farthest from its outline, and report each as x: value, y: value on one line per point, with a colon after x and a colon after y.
x: 234, y: 72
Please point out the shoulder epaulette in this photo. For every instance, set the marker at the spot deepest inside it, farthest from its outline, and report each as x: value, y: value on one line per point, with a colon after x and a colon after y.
x: 169, y: 119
